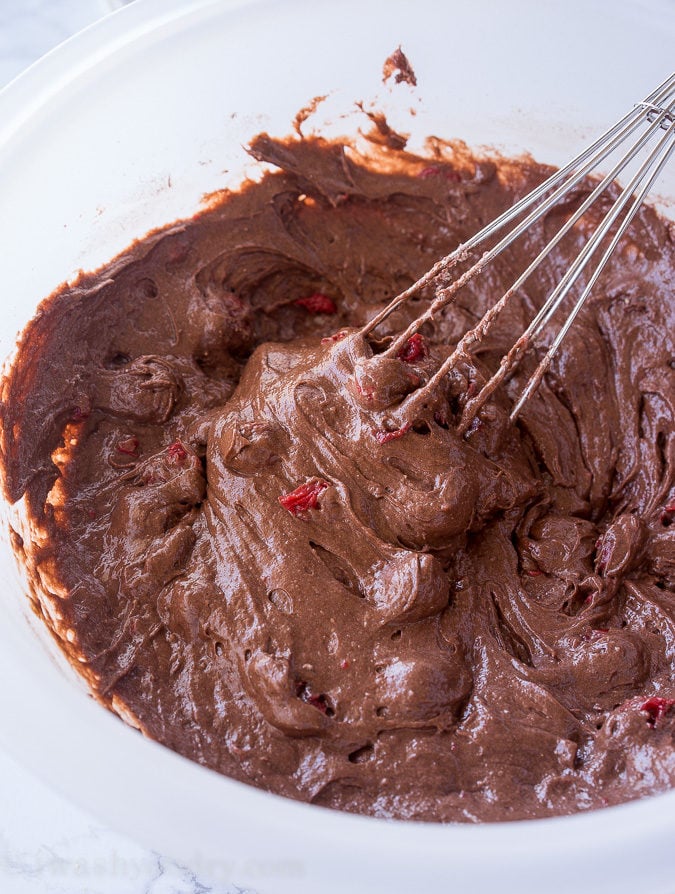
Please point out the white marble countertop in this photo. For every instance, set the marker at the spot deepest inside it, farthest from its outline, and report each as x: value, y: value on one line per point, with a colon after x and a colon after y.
x: 29, y: 28
x: 47, y: 845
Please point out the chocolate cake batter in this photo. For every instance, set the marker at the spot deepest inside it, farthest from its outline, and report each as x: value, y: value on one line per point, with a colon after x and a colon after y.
x: 265, y: 550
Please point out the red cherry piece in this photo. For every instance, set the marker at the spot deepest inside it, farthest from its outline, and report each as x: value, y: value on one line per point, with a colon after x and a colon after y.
x: 657, y: 708
x: 336, y: 336
x: 317, y: 303
x: 413, y: 350
x: 128, y: 446
x: 534, y: 573
x: 439, y: 171
x: 305, y: 497
x: 320, y: 702
x: 382, y: 437
x: 344, y: 664
x: 177, y: 453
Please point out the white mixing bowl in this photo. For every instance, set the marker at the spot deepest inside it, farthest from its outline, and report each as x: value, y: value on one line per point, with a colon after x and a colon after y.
x: 124, y: 128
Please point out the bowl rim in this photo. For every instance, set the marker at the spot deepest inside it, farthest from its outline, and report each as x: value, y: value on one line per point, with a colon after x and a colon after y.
x: 127, y: 774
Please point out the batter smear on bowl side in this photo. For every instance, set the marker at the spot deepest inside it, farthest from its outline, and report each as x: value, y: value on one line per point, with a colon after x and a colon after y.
x: 255, y: 555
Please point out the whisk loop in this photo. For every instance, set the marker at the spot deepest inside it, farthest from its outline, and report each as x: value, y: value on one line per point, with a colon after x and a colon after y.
x: 652, y: 121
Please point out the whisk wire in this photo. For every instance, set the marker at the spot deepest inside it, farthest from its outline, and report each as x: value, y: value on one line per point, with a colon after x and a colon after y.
x: 592, y: 154
x: 558, y: 295
x: 659, y: 116
x: 665, y: 152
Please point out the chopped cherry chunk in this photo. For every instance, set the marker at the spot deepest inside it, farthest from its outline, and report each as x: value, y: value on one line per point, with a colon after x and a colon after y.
x: 304, y: 497
x: 439, y: 171
x: 657, y: 708
x: 320, y: 702
x: 177, y: 453
x: 129, y: 446
x: 336, y: 336
x: 317, y: 303
x: 382, y: 437
x: 414, y: 349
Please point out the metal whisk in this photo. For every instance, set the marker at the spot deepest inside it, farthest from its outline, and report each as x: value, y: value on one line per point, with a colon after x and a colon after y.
x: 651, y: 121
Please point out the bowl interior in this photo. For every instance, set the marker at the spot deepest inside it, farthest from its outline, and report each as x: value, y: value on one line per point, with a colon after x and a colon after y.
x: 125, y: 128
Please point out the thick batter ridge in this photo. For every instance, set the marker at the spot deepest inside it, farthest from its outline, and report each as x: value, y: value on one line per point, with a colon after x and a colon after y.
x: 265, y: 544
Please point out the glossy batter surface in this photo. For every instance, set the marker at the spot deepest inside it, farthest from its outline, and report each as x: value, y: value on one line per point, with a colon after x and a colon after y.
x: 266, y: 546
